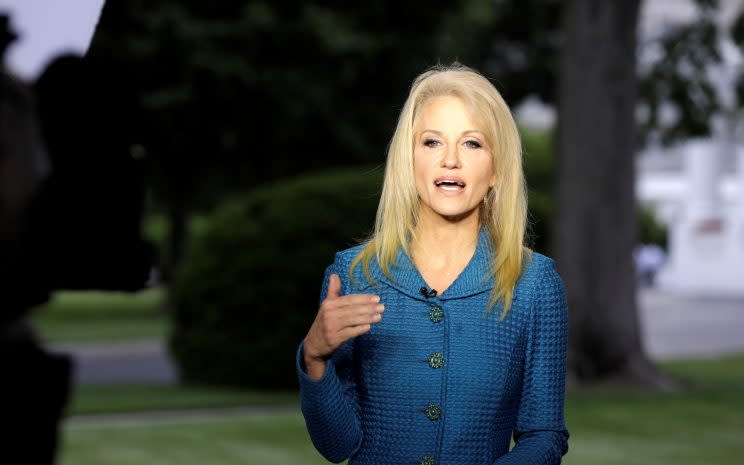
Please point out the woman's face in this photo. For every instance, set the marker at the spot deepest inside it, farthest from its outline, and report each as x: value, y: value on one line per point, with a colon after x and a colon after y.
x: 452, y: 163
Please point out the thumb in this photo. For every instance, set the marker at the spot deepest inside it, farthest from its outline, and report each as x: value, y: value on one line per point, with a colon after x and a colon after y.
x: 334, y: 286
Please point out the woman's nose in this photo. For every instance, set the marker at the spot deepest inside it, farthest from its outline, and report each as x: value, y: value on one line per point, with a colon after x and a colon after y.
x: 451, y: 158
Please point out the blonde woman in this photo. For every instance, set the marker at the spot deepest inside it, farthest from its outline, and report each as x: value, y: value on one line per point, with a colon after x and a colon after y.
x: 442, y: 336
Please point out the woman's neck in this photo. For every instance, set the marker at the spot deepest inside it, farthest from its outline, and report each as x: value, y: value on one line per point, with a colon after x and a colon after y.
x: 440, y: 241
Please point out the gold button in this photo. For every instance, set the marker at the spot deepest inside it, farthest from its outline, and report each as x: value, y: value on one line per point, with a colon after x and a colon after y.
x: 436, y: 360
x: 433, y: 412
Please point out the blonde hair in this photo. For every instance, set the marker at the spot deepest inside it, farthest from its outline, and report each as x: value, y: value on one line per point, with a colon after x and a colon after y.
x: 504, y: 211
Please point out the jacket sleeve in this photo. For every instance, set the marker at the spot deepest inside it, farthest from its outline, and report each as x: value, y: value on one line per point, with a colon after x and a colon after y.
x: 540, y: 435
x: 329, y: 405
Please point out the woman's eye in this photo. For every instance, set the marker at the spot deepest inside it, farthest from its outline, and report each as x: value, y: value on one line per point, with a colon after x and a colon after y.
x: 473, y: 144
x: 431, y: 142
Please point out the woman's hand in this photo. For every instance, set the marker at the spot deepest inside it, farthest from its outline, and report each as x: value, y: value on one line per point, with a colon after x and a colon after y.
x: 339, y: 318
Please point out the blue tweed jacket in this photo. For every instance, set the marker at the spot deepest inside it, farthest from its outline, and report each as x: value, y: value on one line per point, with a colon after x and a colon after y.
x: 437, y: 382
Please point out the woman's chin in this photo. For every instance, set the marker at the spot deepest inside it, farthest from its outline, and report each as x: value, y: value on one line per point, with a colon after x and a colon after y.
x: 456, y: 215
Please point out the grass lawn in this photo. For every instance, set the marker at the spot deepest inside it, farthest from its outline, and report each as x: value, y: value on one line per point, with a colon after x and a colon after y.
x: 95, y: 316
x: 97, y: 399
x: 258, y: 439
x: 703, y: 426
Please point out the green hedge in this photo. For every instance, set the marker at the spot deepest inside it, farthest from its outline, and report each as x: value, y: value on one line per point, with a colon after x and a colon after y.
x: 249, y: 286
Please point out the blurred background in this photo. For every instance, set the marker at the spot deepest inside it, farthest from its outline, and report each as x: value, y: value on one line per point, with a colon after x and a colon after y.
x: 176, y: 175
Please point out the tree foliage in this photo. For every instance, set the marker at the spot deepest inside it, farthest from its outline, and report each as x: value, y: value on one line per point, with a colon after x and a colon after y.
x: 684, y: 76
x: 235, y: 94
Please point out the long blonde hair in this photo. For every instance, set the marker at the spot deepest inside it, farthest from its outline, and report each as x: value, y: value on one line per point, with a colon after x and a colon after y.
x: 504, y: 211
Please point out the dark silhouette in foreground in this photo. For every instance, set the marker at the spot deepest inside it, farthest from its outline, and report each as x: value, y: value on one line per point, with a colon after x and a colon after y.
x: 71, y: 199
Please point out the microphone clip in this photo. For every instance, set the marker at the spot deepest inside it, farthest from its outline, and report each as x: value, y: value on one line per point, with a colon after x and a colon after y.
x: 428, y: 293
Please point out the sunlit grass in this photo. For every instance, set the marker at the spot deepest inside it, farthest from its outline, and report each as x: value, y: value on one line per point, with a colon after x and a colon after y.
x: 96, y: 316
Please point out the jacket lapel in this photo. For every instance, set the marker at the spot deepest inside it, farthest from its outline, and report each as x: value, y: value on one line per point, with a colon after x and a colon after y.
x: 474, y: 279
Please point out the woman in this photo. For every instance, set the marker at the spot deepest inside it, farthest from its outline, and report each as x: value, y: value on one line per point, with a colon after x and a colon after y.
x: 443, y: 335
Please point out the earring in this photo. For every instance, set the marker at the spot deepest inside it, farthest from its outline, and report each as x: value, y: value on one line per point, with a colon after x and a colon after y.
x: 485, y: 197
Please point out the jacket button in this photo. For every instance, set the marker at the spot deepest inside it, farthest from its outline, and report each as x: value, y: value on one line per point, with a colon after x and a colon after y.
x: 433, y: 412
x: 436, y: 360
x: 436, y: 314
x: 427, y: 460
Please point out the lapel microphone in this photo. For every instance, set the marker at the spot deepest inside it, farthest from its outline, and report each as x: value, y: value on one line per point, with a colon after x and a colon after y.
x: 428, y: 293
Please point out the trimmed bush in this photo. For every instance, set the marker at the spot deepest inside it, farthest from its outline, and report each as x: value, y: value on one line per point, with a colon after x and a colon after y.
x: 248, y: 289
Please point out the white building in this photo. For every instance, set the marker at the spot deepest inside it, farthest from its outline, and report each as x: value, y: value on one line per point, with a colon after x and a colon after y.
x: 697, y: 187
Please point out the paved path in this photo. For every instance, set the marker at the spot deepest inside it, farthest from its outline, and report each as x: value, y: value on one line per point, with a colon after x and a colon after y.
x: 673, y: 326
x: 119, y: 363
x: 691, y: 327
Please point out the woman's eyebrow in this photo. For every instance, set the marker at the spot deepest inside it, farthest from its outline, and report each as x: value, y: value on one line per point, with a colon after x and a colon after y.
x: 469, y: 131
x: 439, y: 133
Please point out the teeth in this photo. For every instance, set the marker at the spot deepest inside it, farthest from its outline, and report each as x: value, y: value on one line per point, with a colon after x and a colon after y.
x: 449, y: 183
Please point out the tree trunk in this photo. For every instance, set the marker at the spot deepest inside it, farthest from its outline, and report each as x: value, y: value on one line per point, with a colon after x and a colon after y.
x: 595, y: 224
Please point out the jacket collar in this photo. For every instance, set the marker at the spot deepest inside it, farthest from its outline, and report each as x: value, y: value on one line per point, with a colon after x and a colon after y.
x: 474, y: 279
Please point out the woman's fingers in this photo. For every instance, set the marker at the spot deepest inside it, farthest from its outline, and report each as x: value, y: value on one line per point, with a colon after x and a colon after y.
x: 352, y: 315
x: 334, y: 286
x: 335, y: 322
x: 355, y: 299
x: 341, y: 318
x: 354, y: 331
x: 334, y: 294
x: 362, y: 317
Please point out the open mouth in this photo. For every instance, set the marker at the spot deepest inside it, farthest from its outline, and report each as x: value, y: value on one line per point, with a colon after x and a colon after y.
x: 449, y: 184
